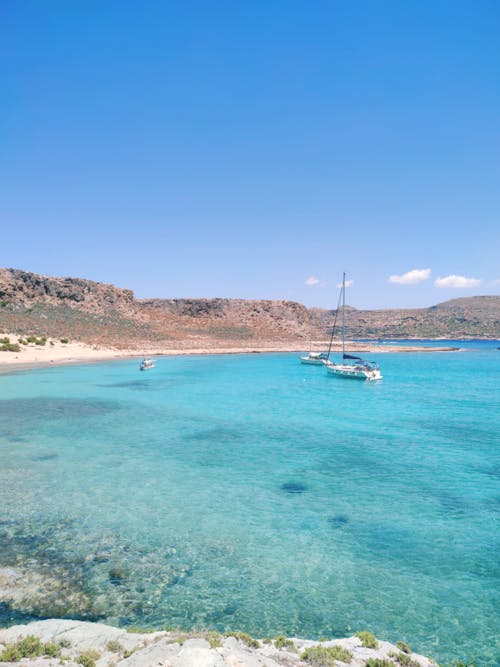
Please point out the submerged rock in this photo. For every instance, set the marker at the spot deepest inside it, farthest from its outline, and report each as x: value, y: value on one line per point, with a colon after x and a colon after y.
x: 338, y: 520
x: 42, y: 594
x: 293, y: 487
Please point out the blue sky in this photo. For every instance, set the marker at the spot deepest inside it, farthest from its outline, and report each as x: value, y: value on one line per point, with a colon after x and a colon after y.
x: 244, y: 149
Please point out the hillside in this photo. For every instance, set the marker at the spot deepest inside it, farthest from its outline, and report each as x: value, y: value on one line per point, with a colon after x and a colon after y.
x: 103, y: 314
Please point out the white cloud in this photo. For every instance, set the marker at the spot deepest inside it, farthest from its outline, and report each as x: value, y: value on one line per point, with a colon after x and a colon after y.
x: 457, y: 281
x: 411, y: 277
x: 348, y: 283
x: 312, y: 280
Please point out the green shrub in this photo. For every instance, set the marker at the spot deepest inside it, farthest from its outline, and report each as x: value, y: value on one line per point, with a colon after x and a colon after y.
x: 114, y: 646
x: 64, y: 340
x: 325, y: 656
x: 245, y: 638
x: 88, y: 658
x: 214, y: 639
x: 283, y: 642
x: 404, y: 660
x: 128, y: 652
x: 22, y: 341
x: 51, y: 650
x: 10, y: 347
x: 403, y: 647
x: 29, y: 647
x: 379, y: 662
x: 31, y: 338
x: 368, y: 639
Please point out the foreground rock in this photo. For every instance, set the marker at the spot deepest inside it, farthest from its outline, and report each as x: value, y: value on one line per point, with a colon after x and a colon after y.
x: 81, y: 643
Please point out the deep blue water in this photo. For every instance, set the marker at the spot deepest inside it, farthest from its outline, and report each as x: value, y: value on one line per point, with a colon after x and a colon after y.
x: 251, y: 492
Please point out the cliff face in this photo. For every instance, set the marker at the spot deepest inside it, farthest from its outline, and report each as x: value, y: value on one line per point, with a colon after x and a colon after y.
x: 20, y: 288
x: 103, y: 314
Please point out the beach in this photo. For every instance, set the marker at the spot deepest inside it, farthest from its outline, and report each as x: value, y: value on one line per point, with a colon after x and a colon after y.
x: 55, y: 353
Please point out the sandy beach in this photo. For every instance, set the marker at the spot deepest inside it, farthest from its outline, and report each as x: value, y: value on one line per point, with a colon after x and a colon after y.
x: 54, y: 352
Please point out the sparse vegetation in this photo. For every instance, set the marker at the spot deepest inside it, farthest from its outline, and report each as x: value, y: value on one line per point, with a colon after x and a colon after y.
x: 283, y: 642
x: 214, y: 639
x: 404, y: 659
x: 7, y: 346
x: 29, y: 647
x: 368, y: 639
x: 325, y: 656
x: 136, y: 630
x: 379, y: 662
x: 245, y: 638
x: 88, y: 658
x: 64, y: 341
x: 402, y: 646
x: 128, y: 652
x: 114, y: 646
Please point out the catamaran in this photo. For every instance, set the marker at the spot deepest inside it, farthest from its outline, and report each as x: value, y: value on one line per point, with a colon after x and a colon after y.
x: 360, y: 369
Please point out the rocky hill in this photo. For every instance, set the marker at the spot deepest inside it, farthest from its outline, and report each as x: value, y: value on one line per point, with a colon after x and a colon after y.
x: 103, y: 314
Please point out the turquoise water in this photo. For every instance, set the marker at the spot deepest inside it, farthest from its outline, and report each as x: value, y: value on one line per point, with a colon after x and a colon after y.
x: 255, y: 493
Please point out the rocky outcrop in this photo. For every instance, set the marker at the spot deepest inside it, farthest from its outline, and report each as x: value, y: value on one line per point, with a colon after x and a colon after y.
x: 21, y: 288
x: 81, y: 643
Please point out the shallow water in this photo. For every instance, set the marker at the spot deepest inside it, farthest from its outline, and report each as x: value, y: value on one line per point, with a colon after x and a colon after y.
x: 252, y: 492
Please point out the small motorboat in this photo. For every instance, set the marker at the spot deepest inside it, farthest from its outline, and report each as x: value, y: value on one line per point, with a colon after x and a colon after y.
x: 146, y: 365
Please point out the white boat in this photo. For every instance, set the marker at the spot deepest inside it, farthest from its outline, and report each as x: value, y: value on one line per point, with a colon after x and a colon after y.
x: 360, y: 369
x: 146, y: 364
x: 315, y: 358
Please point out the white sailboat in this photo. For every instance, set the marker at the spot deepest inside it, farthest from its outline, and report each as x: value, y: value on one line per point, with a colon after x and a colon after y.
x: 313, y: 358
x: 358, y: 369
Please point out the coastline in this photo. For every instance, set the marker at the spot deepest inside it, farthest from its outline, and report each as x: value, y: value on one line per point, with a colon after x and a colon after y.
x: 89, y: 644
x: 56, y: 353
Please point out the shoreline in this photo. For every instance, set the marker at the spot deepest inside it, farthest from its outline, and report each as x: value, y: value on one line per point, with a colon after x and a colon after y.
x: 54, y: 353
x: 77, y: 643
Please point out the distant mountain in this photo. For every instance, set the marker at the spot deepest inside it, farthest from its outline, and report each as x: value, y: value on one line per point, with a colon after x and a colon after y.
x: 104, y: 314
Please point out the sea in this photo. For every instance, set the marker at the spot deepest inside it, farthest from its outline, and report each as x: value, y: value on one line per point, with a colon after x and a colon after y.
x: 251, y: 492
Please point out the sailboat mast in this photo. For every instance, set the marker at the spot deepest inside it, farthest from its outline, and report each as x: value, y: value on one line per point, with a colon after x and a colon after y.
x: 343, y: 316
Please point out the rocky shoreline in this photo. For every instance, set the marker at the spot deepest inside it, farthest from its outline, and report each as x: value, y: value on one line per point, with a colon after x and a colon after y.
x: 78, y: 643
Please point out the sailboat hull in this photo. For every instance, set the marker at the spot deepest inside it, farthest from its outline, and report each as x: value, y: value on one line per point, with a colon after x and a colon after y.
x: 353, y: 372
x: 312, y: 361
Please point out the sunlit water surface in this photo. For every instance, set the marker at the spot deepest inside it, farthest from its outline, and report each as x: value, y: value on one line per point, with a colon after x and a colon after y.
x: 251, y: 492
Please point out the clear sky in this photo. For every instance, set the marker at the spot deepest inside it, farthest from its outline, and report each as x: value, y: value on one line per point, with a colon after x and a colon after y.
x: 254, y: 149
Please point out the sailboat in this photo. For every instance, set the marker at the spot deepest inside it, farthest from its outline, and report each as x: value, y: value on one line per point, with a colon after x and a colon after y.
x: 352, y: 367
x: 313, y: 358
